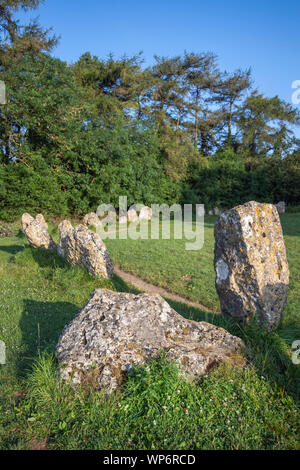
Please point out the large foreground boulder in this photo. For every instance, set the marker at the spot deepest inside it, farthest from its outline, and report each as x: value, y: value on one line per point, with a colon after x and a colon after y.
x: 36, y: 231
x: 252, y: 274
x: 80, y: 246
x: 115, y: 331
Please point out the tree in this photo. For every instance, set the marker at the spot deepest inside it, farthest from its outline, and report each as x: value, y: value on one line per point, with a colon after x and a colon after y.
x: 230, y: 90
x: 16, y: 39
x: 111, y: 86
x: 201, y: 73
x: 264, y: 125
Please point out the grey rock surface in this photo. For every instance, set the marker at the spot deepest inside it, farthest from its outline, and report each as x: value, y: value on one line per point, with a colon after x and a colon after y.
x: 80, y: 246
x: 252, y: 274
x: 115, y: 331
x: 36, y: 231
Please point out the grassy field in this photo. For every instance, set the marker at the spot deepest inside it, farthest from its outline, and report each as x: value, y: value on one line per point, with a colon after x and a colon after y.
x: 256, y: 407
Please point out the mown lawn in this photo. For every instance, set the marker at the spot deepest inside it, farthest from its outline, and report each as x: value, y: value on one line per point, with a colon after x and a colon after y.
x: 233, y: 408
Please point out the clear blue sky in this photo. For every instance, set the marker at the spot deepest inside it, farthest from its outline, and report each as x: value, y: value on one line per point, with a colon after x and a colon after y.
x: 262, y: 34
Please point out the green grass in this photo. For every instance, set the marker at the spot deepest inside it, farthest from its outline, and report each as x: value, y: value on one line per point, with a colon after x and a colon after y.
x: 166, y: 263
x: 233, y: 408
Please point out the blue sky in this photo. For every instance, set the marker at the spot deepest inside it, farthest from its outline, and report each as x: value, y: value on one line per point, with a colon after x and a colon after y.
x: 263, y: 35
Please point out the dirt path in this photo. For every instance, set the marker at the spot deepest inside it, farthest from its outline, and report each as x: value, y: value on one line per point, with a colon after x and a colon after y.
x: 151, y: 289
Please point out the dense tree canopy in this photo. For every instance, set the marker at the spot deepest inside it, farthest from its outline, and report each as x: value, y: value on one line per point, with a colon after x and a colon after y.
x: 74, y: 136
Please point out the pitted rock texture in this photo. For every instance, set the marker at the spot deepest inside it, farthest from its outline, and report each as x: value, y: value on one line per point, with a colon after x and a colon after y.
x: 115, y: 331
x: 36, y: 231
x: 252, y: 274
x: 91, y: 219
x: 83, y: 247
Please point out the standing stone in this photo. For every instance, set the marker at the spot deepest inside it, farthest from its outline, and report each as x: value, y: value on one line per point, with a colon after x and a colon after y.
x: 91, y: 219
x: 132, y: 215
x: 116, y: 331
x: 26, y: 221
x: 83, y: 247
x: 252, y: 274
x: 36, y: 231
x: 217, y: 211
x: 281, y: 207
x: 145, y: 213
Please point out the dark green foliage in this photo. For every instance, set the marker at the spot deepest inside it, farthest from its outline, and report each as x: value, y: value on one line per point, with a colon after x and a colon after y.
x: 30, y: 189
x: 73, y: 137
x: 225, y: 180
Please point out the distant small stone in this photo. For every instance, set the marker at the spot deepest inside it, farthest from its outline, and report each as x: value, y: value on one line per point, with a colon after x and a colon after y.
x: 123, y: 217
x: 252, y: 274
x: 145, y: 213
x: 116, y: 331
x: 5, y: 231
x: 211, y: 212
x: 80, y: 246
x: 217, y: 211
x: 91, y: 219
x: 36, y: 231
x: 132, y: 215
x: 280, y: 207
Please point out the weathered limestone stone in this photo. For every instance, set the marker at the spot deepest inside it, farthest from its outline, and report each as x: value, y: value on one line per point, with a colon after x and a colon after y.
x: 132, y: 215
x: 115, y: 331
x: 252, y: 274
x: 81, y: 246
x: 91, y: 219
x: 36, y: 232
x: 145, y: 213
x: 281, y: 207
x: 26, y: 221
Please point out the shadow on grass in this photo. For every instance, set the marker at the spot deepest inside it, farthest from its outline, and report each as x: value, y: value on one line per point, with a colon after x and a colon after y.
x: 290, y: 224
x: 121, y: 286
x: 12, y: 249
x: 46, y: 258
x: 41, y: 325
